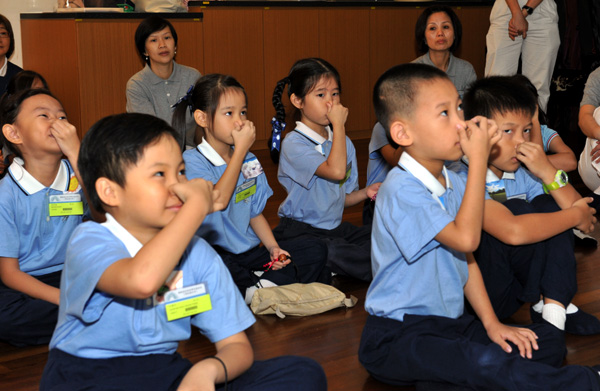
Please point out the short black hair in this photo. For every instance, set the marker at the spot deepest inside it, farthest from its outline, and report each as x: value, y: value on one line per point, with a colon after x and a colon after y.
x: 11, y: 47
x: 10, y: 107
x: 115, y: 143
x: 494, y: 95
x: 149, y: 26
x: 395, y: 91
x: 23, y: 81
x: 421, y: 26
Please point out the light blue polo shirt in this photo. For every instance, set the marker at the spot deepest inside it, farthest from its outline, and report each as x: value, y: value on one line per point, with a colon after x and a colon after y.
x: 94, y: 324
x: 377, y: 168
x: 521, y: 184
x: 547, y: 136
x: 230, y: 228
x: 29, y: 233
x: 310, y: 198
x: 412, y: 272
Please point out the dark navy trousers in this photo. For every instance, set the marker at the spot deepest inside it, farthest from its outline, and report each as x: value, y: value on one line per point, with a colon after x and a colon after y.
x: 164, y: 372
x: 309, y: 257
x: 25, y: 320
x: 514, y: 275
x: 348, y: 246
x: 458, y: 351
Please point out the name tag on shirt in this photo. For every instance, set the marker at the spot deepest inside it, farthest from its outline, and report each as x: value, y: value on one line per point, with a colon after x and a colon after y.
x: 245, y: 190
x: 187, y: 301
x: 497, y: 190
x: 65, y: 205
x: 348, y: 172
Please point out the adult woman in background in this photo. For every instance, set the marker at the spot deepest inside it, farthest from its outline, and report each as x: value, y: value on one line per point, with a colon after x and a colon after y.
x: 163, y: 82
x: 438, y: 32
x: 7, y: 47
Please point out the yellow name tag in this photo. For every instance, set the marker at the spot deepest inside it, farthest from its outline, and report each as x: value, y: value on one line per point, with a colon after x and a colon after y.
x: 65, y: 205
x: 348, y: 171
x: 188, y: 307
x: 245, y: 190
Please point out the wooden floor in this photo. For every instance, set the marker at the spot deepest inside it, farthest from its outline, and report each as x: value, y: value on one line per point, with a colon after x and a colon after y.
x: 331, y: 338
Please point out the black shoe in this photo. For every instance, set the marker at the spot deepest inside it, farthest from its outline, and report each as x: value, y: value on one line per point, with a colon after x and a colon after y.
x: 584, y: 240
x: 536, y: 317
x: 582, y: 323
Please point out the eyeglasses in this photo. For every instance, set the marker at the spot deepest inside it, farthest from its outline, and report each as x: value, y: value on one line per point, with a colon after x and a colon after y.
x: 4, y: 34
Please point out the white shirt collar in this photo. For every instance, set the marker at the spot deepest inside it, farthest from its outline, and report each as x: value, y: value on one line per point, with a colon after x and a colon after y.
x: 31, y: 185
x: 312, y: 135
x: 490, y: 176
x: 422, y: 174
x: 209, y: 152
x: 131, y: 243
x: 4, y: 67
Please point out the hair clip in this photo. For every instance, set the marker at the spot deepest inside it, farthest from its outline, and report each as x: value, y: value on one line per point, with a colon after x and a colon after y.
x: 187, y: 98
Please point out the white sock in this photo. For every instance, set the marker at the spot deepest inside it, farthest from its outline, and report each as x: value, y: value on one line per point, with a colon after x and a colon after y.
x: 572, y: 308
x: 262, y: 283
x: 537, y: 307
x: 555, y: 315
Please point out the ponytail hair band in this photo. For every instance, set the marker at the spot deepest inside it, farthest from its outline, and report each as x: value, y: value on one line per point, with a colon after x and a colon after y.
x: 187, y: 98
x: 277, y: 129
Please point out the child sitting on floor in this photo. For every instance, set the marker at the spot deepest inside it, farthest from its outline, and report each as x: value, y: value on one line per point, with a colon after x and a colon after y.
x: 133, y: 286
x: 41, y: 203
x: 220, y: 111
x: 523, y: 270
x: 426, y: 219
x: 318, y: 169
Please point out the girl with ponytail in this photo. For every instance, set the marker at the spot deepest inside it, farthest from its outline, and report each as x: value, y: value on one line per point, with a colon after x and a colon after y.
x: 318, y: 168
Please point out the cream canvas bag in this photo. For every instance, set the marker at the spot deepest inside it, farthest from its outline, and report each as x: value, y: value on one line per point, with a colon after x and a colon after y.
x: 299, y: 300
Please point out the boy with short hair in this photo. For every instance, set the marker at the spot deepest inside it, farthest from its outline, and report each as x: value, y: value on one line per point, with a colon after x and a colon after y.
x: 133, y: 286
x: 426, y: 219
x: 541, y: 262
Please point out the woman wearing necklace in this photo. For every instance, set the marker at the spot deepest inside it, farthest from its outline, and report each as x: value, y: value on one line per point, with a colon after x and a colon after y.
x: 438, y: 32
x: 163, y: 82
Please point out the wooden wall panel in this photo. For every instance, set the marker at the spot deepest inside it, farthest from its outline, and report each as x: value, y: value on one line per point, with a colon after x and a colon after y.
x: 289, y: 35
x: 50, y: 48
x: 476, y: 23
x: 233, y: 44
x: 344, y: 42
x: 391, y: 43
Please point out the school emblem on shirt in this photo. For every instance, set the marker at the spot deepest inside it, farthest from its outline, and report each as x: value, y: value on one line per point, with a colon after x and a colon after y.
x: 73, y: 184
x: 251, y: 168
x: 497, y: 190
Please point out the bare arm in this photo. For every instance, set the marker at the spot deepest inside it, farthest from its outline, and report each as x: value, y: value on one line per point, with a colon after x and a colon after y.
x: 14, y: 278
x: 261, y: 227
x: 390, y: 154
x: 562, y: 156
x: 463, y: 234
x: 243, y: 137
x: 237, y: 355
x: 587, y: 123
x: 534, y: 157
x: 499, y: 333
x: 141, y: 276
x: 334, y: 168
x: 529, y: 228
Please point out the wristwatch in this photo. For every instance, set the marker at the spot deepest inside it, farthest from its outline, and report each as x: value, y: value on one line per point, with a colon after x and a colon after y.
x: 560, y: 180
x: 528, y: 9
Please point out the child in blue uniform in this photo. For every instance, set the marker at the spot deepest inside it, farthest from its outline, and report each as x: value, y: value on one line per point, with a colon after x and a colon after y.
x: 220, y: 110
x: 427, y: 221
x: 525, y: 269
x: 318, y: 168
x: 133, y: 286
x: 41, y: 203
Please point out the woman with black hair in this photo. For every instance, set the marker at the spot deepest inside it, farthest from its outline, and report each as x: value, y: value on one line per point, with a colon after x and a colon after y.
x: 438, y: 33
x: 163, y: 82
x: 7, y: 47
